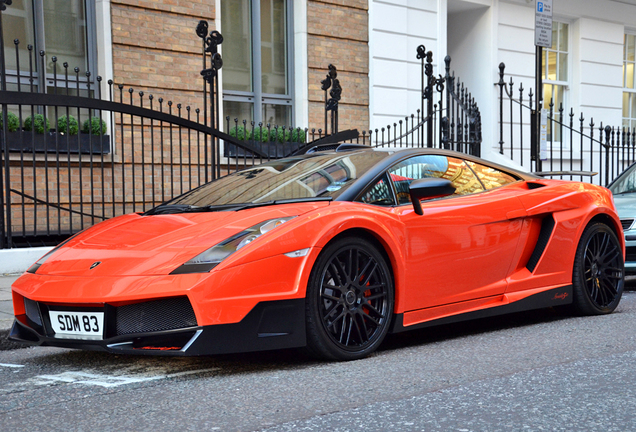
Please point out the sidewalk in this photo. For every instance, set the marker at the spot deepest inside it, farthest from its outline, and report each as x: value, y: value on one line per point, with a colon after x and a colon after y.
x: 6, y: 303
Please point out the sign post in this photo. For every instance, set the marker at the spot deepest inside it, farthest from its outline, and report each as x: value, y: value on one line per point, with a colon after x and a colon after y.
x: 542, y: 38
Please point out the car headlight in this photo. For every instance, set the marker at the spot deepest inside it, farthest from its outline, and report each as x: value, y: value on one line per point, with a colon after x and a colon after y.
x: 207, y: 260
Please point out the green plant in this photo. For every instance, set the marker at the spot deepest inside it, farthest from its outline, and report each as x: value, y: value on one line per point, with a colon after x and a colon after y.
x: 298, y: 135
x: 94, y: 126
x: 36, y: 122
x: 67, y: 125
x: 261, y: 134
x: 240, y: 133
x: 288, y: 135
x: 13, y: 122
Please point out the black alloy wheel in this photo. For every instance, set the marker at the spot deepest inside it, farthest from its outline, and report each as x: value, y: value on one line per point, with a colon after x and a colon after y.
x: 598, y: 274
x: 349, y: 300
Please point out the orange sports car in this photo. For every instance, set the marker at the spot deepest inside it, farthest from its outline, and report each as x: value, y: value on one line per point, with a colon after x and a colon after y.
x: 330, y: 250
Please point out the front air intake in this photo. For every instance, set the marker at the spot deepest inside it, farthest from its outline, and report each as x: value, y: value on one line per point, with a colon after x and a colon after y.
x: 156, y: 315
x: 547, y: 226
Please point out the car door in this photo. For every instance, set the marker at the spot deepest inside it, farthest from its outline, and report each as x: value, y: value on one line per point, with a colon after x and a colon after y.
x: 462, y: 247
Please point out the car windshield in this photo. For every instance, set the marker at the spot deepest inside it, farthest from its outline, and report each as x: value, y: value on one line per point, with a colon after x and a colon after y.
x: 625, y: 183
x: 314, y: 176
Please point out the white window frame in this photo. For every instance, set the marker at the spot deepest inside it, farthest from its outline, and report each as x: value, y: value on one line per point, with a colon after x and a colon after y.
x: 558, y: 145
x: 256, y: 97
x: 631, y: 120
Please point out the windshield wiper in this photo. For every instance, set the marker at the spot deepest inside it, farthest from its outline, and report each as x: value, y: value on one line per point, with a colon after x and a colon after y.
x: 245, y: 206
x: 184, y: 208
x: 173, y: 208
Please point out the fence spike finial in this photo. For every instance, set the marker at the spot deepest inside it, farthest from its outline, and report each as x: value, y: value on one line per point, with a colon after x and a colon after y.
x: 502, y: 68
x: 5, y: 3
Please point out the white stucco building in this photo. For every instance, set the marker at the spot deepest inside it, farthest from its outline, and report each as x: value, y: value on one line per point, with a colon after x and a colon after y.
x: 589, y: 68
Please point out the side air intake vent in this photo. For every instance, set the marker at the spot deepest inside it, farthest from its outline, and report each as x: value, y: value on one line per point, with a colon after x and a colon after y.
x: 156, y: 315
x: 547, y: 226
x: 532, y: 185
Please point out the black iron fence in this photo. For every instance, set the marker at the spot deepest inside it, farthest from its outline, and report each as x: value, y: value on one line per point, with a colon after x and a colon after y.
x: 573, y: 146
x: 79, y: 150
x: 75, y: 150
x: 448, y: 118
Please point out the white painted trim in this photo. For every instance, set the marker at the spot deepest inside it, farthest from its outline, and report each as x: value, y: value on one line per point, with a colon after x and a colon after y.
x: 370, y: 87
x: 442, y: 35
x: 104, y: 36
x: 217, y: 26
x: 301, y: 65
x: 104, y: 40
x: 19, y: 260
x: 491, y: 135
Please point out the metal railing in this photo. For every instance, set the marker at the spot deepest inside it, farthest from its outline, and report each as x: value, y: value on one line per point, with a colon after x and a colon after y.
x: 596, y: 153
x: 83, y: 150
x: 448, y: 118
x: 136, y: 150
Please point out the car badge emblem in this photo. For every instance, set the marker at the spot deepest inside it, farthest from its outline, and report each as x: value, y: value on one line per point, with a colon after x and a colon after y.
x: 95, y: 264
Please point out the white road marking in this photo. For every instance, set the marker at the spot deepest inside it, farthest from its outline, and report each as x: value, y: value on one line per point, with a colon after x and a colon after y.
x: 108, y: 381
x: 10, y: 365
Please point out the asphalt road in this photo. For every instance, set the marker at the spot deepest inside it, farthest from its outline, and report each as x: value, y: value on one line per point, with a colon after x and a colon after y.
x: 532, y: 371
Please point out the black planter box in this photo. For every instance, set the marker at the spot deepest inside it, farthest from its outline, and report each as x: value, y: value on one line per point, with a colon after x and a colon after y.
x: 27, y: 141
x: 257, y: 149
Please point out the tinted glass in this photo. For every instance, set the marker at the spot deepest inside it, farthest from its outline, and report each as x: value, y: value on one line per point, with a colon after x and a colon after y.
x: 236, y: 22
x: 378, y: 194
x: 433, y: 166
x: 17, y: 23
x: 319, y: 175
x: 65, y: 32
x: 274, y: 46
x: 491, y: 177
x: 625, y: 183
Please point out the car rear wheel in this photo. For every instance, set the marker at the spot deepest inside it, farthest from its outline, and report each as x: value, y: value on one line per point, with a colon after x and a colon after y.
x: 349, y: 301
x: 598, y: 274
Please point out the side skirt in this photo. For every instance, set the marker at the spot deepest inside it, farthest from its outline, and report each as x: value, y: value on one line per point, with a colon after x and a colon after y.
x: 553, y: 297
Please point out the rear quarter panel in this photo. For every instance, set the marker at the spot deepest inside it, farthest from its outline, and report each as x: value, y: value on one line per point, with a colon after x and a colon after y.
x: 573, y: 206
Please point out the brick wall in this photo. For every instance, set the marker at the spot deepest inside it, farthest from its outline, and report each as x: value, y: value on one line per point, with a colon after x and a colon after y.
x: 156, y: 49
x: 338, y: 34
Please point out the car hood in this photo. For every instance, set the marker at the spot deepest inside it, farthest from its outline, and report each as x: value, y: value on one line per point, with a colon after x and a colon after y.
x: 134, y: 244
x: 625, y: 205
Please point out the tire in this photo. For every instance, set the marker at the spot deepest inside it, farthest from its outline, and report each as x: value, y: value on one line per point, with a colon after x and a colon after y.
x: 598, y: 273
x: 349, y: 303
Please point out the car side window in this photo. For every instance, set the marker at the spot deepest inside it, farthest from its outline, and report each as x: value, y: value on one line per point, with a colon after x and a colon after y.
x: 433, y: 166
x: 491, y: 177
x: 378, y: 194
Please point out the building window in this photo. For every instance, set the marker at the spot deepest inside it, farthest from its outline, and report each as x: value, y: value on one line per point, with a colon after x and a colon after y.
x: 555, y: 72
x: 629, y: 92
x: 257, y: 60
x: 62, y: 29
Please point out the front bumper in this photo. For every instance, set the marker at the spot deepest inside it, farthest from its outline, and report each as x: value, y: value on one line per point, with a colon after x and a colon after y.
x: 269, y: 325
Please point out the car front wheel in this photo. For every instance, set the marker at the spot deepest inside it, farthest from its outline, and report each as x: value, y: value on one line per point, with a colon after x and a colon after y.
x: 349, y: 301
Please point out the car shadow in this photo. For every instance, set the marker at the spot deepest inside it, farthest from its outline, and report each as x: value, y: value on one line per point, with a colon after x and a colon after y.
x: 472, y: 327
x: 289, y: 359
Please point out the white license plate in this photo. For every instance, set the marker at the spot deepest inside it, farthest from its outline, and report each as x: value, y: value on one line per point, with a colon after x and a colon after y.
x: 77, y: 324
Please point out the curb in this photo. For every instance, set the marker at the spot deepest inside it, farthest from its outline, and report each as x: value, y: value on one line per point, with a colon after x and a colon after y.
x: 13, y: 261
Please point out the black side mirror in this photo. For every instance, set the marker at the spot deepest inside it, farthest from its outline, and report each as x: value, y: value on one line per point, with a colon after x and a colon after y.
x: 429, y: 188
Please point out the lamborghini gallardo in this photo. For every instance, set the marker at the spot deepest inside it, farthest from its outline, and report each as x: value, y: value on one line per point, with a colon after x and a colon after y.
x: 331, y: 251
